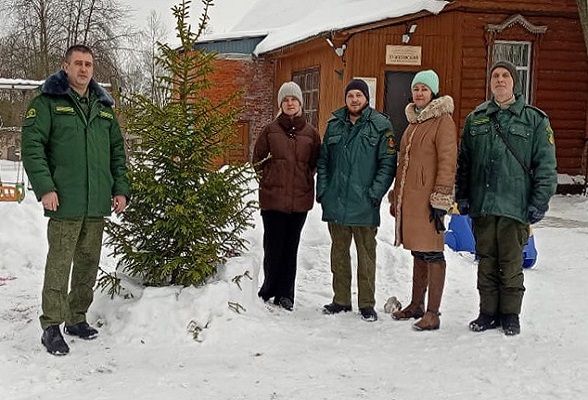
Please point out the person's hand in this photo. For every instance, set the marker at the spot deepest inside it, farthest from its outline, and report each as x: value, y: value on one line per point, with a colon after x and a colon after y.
x: 119, y: 203
x: 463, y: 206
x: 436, y: 217
x: 534, y: 215
x: 375, y: 202
x: 50, y: 201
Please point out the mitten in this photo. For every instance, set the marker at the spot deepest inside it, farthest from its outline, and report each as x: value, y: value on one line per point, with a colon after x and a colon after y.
x: 463, y: 206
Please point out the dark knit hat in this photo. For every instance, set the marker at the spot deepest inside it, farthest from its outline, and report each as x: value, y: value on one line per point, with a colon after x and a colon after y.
x: 358, y: 84
x: 510, y: 67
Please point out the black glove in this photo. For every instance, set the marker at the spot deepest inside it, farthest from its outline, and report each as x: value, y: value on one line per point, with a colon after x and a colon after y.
x: 375, y: 202
x: 437, y: 216
x: 534, y: 215
x: 463, y: 206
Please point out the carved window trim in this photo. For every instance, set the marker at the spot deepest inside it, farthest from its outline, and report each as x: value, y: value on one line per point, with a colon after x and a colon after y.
x: 494, y: 33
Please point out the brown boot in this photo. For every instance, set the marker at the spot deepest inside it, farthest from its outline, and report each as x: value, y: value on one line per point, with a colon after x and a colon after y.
x: 436, y: 279
x: 416, y: 308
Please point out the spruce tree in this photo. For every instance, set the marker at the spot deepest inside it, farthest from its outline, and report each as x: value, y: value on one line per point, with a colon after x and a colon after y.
x: 185, y: 216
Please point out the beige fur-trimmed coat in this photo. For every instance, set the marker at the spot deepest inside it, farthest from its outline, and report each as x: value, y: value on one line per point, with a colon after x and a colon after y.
x: 425, y: 175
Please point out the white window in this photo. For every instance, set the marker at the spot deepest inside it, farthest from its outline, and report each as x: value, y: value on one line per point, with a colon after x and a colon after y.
x: 518, y: 53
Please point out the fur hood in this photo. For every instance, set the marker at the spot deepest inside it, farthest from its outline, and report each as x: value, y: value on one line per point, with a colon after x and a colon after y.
x: 436, y: 108
x: 57, y: 85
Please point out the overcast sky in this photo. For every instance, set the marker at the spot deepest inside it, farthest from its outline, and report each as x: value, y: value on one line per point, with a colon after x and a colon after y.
x: 224, y: 14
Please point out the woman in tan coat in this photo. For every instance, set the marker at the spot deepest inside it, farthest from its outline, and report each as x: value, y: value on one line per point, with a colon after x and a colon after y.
x: 285, y: 156
x: 423, y: 193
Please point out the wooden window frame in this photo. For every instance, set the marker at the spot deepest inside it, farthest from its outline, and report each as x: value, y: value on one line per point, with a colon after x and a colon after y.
x: 311, y: 108
x: 528, y: 68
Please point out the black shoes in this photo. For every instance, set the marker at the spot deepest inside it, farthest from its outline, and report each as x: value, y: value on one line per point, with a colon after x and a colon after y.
x: 54, y: 342
x: 484, y: 322
x: 81, y: 330
x: 335, y: 308
x: 368, y: 314
x: 510, y: 324
x: 286, y: 304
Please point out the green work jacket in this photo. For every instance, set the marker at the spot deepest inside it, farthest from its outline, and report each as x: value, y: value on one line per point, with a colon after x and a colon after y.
x: 490, y: 177
x: 78, y: 154
x: 356, y: 166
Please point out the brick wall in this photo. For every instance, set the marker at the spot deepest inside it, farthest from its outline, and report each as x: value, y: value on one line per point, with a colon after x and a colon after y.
x: 255, y: 78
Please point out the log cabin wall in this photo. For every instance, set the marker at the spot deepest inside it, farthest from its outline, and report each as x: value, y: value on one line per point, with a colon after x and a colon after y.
x: 455, y: 44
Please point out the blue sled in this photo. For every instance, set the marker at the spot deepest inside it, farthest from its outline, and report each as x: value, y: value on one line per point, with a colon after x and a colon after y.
x: 459, y: 237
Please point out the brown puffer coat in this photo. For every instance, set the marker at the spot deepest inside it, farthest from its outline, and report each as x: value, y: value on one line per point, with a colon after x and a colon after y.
x: 425, y: 175
x: 285, y: 156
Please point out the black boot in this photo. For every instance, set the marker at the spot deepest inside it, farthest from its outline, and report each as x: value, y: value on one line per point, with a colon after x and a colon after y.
x: 510, y: 324
x: 335, y: 308
x: 54, y: 342
x: 81, y: 330
x: 484, y: 322
x: 368, y: 314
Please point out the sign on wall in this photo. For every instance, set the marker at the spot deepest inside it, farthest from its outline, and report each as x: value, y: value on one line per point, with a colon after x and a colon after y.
x: 403, y: 55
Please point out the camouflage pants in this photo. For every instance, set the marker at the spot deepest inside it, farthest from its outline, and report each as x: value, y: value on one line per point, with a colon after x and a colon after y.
x: 499, y: 247
x: 365, y: 243
x: 70, y: 240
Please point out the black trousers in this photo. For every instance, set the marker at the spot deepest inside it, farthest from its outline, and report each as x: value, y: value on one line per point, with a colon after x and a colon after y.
x: 281, y: 236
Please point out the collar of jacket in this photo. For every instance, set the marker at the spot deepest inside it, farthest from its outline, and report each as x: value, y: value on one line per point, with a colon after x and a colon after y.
x: 343, y: 114
x: 490, y: 107
x: 436, y: 108
x: 291, y: 125
x: 58, y: 85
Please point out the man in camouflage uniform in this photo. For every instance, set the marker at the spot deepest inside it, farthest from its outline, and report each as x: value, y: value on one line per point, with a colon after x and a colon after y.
x: 74, y: 155
x: 505, y: 185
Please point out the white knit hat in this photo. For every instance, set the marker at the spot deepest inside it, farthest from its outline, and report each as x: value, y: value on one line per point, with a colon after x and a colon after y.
x: 290, y: 89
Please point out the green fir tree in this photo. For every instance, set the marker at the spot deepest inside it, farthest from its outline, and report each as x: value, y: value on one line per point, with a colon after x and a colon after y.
x: 186, y: 216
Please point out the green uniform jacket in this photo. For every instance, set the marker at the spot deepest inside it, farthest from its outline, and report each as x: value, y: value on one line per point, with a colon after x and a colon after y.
x: 490, y: 177
x: 80, y: 157
x: 356, y: 166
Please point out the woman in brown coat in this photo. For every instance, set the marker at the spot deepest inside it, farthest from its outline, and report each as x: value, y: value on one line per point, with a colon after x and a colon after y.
x: 423, y: 193
x: 285, y: 157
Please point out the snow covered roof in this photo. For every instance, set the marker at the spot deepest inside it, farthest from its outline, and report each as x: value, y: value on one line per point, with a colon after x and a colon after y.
x: 24, y: 84
x: 291, y: 22
x: 19, y: 83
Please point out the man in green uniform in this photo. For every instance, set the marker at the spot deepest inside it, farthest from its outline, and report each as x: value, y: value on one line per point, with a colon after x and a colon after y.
x: 505, y: 177
x: 356, y: 166
x: 74, y: 156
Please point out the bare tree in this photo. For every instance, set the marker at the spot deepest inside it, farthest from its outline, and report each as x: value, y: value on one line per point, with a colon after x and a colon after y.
x: 142, y: 68
x: 40, y: 31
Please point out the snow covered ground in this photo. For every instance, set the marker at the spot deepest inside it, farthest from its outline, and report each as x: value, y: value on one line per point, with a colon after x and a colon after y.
x: 146, y: 348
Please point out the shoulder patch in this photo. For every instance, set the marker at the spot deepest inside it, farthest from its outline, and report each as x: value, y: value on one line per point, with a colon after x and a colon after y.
x: 391, y: 142
x: 31, y: 113
x: 550, y: 137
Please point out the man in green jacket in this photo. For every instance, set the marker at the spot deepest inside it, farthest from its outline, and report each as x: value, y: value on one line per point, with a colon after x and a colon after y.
x: 356, y: 167
x: 74, y: 156
x: 505, y: 177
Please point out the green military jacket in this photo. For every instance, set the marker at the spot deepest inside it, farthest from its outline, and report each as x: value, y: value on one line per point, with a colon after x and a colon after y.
x: 79, y: 155
x: 488, y: 174
x: 356, y: 166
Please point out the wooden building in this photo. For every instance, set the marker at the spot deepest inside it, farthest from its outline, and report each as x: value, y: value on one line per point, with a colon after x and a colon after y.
x: 542, y: 37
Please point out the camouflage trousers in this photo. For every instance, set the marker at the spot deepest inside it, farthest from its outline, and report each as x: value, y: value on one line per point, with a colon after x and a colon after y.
x: 77, y: 241
x: 499, y: 247
x: 365, y: 243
